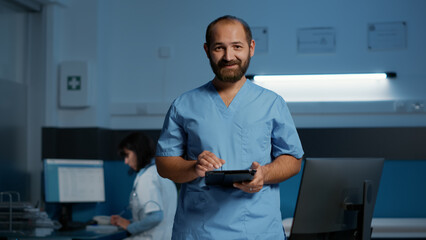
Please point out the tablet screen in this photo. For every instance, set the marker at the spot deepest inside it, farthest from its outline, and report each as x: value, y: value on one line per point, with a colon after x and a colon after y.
x: 228, y: 177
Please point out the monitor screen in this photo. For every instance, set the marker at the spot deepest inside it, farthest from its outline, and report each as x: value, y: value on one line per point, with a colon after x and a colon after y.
x: 74, y: 181
x: 336, y: 196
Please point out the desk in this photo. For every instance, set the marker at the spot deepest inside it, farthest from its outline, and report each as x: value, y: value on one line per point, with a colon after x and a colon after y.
x: 84, y: 234
x: 388, y: 228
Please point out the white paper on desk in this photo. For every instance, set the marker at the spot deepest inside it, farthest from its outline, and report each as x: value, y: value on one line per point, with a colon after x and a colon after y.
x: 42, y: 232
x: 102, y: 228
x: 81, y: 184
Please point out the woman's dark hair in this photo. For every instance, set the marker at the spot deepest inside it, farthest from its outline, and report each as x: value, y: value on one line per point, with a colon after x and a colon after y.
x: 142, y: 145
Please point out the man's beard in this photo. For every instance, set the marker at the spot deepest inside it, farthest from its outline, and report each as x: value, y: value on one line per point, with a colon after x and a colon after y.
x: 230, y: 75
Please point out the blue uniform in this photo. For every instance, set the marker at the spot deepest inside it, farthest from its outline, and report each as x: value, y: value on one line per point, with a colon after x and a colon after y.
x: 256, y: 126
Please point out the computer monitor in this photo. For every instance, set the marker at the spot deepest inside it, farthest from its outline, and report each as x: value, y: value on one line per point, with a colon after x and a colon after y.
x: 73, y: 181
x: 336, y: 198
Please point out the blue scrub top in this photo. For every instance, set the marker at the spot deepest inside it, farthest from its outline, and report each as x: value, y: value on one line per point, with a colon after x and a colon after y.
x: 256, y: 126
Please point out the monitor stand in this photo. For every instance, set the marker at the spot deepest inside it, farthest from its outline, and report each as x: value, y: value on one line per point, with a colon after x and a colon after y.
x: 65, y: 219
x: 365, y: 212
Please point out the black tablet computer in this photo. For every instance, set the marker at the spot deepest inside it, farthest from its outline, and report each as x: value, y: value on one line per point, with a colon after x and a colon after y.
x: 228, y: 177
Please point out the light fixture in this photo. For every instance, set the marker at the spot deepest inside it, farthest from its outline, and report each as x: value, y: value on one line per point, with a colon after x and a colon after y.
x: 323, y: 77
x: 328, y: 87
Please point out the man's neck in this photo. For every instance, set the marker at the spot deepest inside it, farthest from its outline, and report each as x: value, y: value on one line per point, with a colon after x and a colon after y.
x: 222, y: 86
x: 228, y: 90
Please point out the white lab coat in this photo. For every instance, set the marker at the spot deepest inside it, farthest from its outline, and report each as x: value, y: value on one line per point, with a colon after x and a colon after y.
x: 152, y: 193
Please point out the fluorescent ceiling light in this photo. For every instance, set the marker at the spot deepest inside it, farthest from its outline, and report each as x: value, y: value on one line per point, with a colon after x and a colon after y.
x: 324, y: 77
x: 328, y: 87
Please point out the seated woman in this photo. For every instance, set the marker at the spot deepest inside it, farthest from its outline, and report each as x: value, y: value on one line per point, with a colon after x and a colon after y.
x: 153, y: 199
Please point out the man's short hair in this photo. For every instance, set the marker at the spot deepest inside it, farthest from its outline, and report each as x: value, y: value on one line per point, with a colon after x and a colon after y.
x: 228, y: 18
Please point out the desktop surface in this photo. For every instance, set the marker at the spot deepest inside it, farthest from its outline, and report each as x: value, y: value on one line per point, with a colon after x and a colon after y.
x: 93, y: 232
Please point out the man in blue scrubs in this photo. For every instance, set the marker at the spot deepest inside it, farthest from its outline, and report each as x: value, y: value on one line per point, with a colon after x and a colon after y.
x: 229, y: 124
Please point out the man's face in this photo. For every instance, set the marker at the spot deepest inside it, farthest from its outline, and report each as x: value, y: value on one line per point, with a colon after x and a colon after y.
x: 229, y: 52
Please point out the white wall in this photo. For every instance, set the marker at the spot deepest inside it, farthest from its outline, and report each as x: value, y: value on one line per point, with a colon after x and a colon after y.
x: 133, y: 86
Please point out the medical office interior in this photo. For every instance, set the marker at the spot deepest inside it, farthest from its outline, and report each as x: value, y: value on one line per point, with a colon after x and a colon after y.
x: 133, y: 58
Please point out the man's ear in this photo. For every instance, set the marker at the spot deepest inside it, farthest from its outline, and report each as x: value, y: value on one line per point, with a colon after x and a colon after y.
x: 206, y: 49
x: 252, y: 45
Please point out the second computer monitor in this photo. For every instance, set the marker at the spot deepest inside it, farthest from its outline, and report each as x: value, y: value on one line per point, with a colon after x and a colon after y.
x: 336, y: 198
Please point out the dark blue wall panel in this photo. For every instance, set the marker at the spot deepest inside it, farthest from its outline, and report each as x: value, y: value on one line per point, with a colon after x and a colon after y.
x: 402, y: 190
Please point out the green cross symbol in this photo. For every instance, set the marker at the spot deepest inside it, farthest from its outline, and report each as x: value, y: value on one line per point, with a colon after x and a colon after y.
x: 73, y: 83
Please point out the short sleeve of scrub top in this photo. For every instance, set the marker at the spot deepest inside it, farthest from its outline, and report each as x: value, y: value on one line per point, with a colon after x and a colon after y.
x: 284, y: 137
x: 173, y: 135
